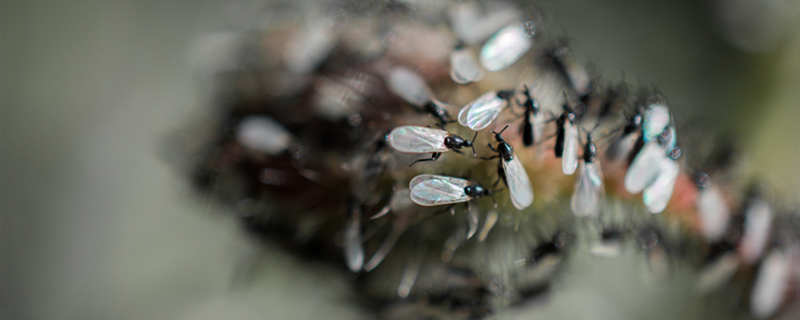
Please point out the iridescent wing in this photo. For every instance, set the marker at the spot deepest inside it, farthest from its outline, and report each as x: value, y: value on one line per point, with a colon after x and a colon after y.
x: 519, y: 185
x: 480, y: 113
x: 436, y: 190
x: 414, y: 139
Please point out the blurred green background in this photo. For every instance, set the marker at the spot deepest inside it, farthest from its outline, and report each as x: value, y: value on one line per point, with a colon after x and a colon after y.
x: 96, y: 224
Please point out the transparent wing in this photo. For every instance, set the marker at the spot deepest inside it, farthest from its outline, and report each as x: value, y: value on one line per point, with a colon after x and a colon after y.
x: 414, y: 139
x: 308, y: 47
x: 673, y: 141
x: 718, y: 272
x: 473, y: 26
x: 656, y: 119
x: 770, y: 285
x: 569, y: 160
x: 263, y: 134
x: 644, y: 168
x: 408, y: 85
x: 588, y: 190
x: 464, y: 67
x: 435, y: 190
x: 758, y: 219
x: 579, y: 78
x: 482, y: 112
x: 714, y: 213
x: 519, y: 185
x: 354, y: 252
x: 505, y: 47
x: 657, y: 195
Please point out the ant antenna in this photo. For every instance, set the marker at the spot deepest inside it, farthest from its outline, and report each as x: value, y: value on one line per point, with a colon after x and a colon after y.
x: 501, y: 131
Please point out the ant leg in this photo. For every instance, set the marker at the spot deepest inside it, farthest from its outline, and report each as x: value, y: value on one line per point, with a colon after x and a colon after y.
x: 473, y: 219
x: 435, y: 156
x: 490, y: 158
x: 472, y: 144
x: 456, y: 151
x: 496, y: 182
x: 491, y: 147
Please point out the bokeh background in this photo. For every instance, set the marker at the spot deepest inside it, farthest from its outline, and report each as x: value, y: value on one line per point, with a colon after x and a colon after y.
x: 97, y: 224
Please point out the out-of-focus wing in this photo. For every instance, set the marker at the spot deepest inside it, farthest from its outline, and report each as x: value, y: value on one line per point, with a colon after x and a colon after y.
x: 645, y: 167
x: 657, y: 195
x: 409, y: 85
x: 505, y: 47
x: 464, y: 68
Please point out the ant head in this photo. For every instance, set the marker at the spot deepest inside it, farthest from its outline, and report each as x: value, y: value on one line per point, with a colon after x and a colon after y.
x: 526, y: 90
x: 476, y: 190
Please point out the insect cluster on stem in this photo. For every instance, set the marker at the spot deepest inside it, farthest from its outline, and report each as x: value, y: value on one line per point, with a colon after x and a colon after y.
x: 314, y: 149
